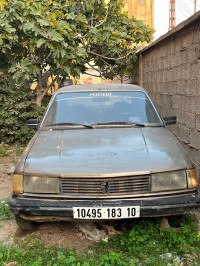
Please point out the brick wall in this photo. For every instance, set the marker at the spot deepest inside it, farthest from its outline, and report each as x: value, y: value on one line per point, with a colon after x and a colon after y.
x: 170, y: 72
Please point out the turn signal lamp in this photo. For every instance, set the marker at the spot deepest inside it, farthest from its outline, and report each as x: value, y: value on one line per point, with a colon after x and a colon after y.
x: 192, y: 178
x: 17, y: 183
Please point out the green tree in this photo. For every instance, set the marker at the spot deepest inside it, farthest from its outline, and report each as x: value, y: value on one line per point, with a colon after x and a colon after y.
x: 67, y: 38
x: 16, y: 106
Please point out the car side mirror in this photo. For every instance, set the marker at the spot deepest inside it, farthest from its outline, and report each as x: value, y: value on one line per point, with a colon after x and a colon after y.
x: 33, y: 123
x: 170, y: 120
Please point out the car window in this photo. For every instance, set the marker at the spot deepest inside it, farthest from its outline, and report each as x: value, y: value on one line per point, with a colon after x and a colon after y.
x: 101, y: 107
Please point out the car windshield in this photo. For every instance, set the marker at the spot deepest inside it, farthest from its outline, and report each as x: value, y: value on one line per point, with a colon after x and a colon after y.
x: 91, y: 108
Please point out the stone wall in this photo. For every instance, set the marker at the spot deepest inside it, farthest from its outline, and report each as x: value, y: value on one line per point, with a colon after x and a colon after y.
x: 170, y: 72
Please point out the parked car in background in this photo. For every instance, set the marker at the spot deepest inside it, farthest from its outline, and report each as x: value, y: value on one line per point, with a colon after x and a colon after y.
x: 102, y: 152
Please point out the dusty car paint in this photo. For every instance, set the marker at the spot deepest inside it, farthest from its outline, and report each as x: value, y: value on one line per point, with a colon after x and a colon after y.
x: 105, y: 151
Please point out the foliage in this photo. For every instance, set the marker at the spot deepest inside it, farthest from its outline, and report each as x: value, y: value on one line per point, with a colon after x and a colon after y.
x: 112, y: 259
x: 39, y: 38
x: 4, y: 150
x: 143, y: 244
x: 32, y: 252
x: 19, y: 150
x: 16, y: 106
x: 5, y: 213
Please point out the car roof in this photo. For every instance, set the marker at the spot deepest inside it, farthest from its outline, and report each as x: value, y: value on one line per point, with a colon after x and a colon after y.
x: 100, y: 87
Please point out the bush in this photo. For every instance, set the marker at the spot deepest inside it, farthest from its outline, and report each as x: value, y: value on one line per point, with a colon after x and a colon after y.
x: 16, y: 106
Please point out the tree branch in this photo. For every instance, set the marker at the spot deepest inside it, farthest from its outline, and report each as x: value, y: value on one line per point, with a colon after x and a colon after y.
x: 49, y: 86
x: 62, y: 81
x: 9, y: 56
x: 47, y: 74
x: 98, y: 25
x: 79, y: 6
x: 29, y: 52
x: 110, y: 58
x: 41, y: 78
x: 96, y: 69
x: 92, y: 17
x: 122, y: 78
x: 105, y: 62
x: 50, y: 53
x: 93, y: 75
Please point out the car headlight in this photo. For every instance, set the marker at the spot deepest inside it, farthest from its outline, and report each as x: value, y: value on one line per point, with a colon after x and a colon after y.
x: 35, y: 184
x: 168, y: 181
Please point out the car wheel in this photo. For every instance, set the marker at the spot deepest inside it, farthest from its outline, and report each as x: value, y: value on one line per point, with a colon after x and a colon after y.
x: 24, y: 224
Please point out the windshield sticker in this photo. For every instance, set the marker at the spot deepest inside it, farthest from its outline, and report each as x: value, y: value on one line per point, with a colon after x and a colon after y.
x: 101, y: 94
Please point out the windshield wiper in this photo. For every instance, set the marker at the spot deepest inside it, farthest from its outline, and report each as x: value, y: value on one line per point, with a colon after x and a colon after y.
x: 71, y: 124
x: 120, y: 123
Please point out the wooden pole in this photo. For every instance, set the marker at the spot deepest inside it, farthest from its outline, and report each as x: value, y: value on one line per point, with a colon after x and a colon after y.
x: 195, y: 6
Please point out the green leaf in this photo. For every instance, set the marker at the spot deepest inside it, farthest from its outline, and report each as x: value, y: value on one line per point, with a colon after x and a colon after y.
x: 40, y: 42
x: 28, y: 26
x: 43, y: 22
x: 67, y: 69
x: 70, y: 16
x: 63, y: 53
x: 57, y: 37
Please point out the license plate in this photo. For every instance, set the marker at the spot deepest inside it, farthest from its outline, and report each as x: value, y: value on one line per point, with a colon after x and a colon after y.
x: 106, y: 212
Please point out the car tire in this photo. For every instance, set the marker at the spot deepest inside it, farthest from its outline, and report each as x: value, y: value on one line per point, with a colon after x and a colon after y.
x: 25, y: 225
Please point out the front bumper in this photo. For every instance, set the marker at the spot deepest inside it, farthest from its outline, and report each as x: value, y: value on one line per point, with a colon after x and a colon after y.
x: 44, y: 209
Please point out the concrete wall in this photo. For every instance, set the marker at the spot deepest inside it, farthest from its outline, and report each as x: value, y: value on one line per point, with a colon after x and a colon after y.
x: 170, y: 71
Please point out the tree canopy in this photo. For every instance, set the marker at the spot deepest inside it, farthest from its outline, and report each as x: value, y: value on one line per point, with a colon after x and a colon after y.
x: 66, y: 38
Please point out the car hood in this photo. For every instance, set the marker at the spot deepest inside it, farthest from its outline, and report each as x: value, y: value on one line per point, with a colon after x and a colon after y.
x: 86, y: 152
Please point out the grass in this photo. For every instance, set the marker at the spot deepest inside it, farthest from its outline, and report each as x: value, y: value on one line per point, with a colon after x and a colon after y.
x: 32, y: 252
x: 142, y: 244
x: 4, y: 150
x: 5, y: 213
x: 19, y: 150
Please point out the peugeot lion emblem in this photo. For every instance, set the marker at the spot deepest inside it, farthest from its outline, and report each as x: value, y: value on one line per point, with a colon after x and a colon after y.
x: 105, y: 187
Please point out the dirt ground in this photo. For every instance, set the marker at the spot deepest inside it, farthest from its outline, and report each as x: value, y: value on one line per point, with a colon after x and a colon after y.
x: 53, y: 234
x: 6, y: 180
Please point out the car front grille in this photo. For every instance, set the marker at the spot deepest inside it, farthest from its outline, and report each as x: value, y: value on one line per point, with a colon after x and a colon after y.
x: 92, y: 186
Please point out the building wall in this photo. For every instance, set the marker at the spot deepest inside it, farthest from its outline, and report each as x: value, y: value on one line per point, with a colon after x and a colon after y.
x: 170, y: 72
x: 141, y: 10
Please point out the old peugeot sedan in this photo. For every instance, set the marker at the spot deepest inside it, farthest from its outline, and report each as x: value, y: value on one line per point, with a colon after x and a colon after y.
x: 102, y: 152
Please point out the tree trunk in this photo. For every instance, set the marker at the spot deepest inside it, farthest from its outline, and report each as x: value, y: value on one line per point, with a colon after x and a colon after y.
x: 62, y: 82
x: 39, y: 98
x: 39, y: 95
